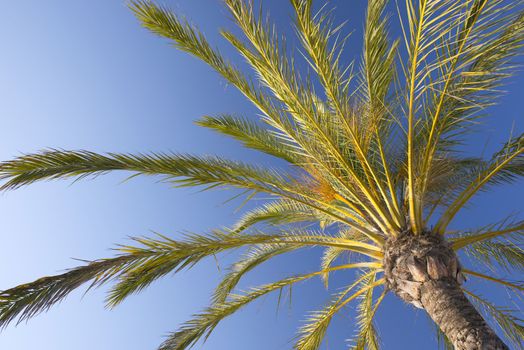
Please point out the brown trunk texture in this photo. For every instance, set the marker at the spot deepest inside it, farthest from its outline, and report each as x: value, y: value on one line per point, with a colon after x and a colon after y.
x: 424, y: 271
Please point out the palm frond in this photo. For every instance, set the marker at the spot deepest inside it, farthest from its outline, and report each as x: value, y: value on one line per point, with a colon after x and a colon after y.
x: 254, y: 257
x: 281, y: 212
x: 180, y: 170
x: 503, y: 228
x: 506, y: 319
x: 278, y: 73
x: 518, y: 285
x: 449, y: 177
x: 186, y: 253
x: 473, y: 62
x: 313, y: 332
x: 139, y: 266
x: 315, y: 33
x: 378, y: 66
x: 186, y: 37
x: 367, y: 337
x: 489, y: 233
x: 204, y: 323
x: 28, y: 300
x: 331, y: 254
x: 501, y: 166
x: 253, y: 135
x: 426, y: 24
x: 508, y: 254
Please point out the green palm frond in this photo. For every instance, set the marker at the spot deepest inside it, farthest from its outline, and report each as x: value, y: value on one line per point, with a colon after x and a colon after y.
x: 281, y: 212
x: 508, y: 254
x: 254, y: 136
x: 196, y: 247
x: 278, y: 74
x: 30, y: 299
x: 204, y: 323
x: 331, y: 254
x: 315, y: 33
x: 506, y: 319
x: 370, y: 157
x: 254, y: 257
x: 378, y: 67
x: 498, y: 169
x: 424, y: 29
x: 473, y: 62
x: 180, y: 170
x: 495, y: 246
x: 488, y: 233
x: 313, y: 332
x: 138, y: 266
x: 367, y: 337
x: 453, y: 76
x: 187, y: 38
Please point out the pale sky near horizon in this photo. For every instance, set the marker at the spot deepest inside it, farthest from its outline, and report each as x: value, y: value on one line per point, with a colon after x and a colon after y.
x: 85, y: 75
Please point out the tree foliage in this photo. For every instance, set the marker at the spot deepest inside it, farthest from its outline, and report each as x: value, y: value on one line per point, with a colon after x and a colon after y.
x: 375, y: 153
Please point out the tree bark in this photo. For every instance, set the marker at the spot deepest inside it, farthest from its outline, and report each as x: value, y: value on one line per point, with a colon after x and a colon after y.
x: 449, y: 308
x: 424, y: 271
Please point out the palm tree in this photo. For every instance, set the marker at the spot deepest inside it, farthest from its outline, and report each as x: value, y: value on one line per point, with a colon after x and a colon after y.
x: 374, y: 168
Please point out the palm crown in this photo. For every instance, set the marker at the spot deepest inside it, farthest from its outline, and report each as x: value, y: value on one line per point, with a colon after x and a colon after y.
x: 374, y: 157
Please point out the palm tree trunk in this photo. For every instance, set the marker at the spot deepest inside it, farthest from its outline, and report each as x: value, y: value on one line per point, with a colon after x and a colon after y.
x: 424, y: 271
x: 449, y: 308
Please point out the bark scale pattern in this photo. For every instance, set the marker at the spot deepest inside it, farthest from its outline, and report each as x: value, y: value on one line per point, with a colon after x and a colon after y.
x: 424, y: 271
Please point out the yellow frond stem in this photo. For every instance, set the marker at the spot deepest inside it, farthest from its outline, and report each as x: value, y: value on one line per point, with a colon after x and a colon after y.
x: 414, y: 203
x: 493, y: 279
x: 464, y: 241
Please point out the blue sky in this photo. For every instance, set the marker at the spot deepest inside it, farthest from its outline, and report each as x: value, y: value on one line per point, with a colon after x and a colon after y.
x: 84, y: 75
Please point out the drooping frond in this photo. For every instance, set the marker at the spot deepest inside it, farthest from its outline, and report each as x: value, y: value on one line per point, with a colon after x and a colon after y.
x: 182, y: 170
x: 506, y: 319
x: 138, y: 266
x: 196, y: 247
x: 204, y: 323
x: 30, y: 299
x: 254, y: 257
x: 331, y: 254
x: 313, y: 332
x: 367, y: 337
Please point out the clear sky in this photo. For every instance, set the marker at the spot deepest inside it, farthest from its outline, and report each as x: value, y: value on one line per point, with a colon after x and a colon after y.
x: 84, y: 75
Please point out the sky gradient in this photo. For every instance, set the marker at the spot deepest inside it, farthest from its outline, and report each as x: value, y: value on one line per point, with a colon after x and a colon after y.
x: 84, y: 75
